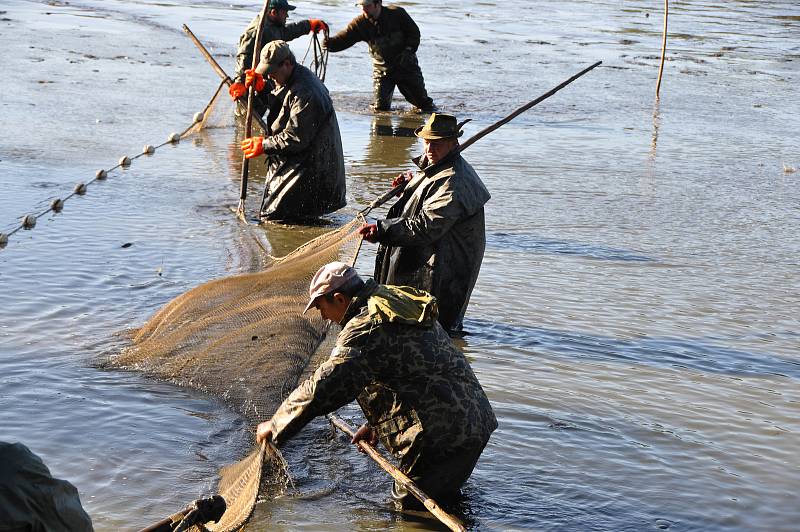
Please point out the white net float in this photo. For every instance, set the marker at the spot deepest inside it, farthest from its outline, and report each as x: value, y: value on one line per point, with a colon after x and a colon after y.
x: 124, y: 160
x: 198, y: 117
x: 80, y: 189
x: 29, y: 221
x: 174, y: 137
x: 148, y: 149
x: 57, y: 205
x: 3, y: 240
x: 101, y: 174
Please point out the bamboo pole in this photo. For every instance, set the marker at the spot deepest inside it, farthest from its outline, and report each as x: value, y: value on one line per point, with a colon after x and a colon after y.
x: 482, y: 133
x: 663, y: 47
x: 451, y: 522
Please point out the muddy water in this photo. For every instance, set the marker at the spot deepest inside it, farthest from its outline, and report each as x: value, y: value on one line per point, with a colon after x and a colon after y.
x: 635, y: 322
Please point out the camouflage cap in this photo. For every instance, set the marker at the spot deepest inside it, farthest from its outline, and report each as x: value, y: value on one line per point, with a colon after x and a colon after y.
x: 273, y: 54
x: 280, y: 4
x: 327, y: 279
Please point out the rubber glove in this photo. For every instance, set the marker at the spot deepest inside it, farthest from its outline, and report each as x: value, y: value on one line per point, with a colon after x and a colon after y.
x: 237, y: 90
x: 251, y: 77
x: 317, y: 25
x: 369, y: 232
x: 253, y: 147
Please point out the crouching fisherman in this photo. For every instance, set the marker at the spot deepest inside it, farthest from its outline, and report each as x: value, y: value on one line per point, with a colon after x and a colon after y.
x: 417, y: 390
x: 305, y: 162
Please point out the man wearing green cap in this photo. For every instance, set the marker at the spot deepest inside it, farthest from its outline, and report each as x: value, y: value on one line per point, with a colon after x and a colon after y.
x: 434, y: 236
x: 275, y: 28
x: 393, y: 39
x: 305, y: 162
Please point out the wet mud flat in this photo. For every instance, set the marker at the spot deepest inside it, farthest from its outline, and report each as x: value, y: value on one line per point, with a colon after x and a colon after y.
x: 633, y: 324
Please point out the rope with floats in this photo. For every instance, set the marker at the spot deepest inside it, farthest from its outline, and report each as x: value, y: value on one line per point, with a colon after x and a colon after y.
x: 81, y: 188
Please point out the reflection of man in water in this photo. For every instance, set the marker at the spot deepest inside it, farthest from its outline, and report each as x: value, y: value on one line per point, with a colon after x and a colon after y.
x: 305, y: 163
x: 434, y: 236
x: 390, y: 141
x: 393, y: 39
x: 415, y: 387
x: 275, y: 28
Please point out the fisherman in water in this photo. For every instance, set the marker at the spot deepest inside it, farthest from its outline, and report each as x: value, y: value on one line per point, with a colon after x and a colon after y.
x: 274, y: 28
x: 434, y: 236
x: 393, y: 39
x: 415, y: 387
x: 305, y: 162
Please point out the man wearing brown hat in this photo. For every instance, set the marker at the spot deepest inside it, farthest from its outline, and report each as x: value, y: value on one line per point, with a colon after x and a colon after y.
x: 434, y: 236
x: 393, y: 39
x: 305, y: 162
x: 274, y: 28
x: 418, y: 393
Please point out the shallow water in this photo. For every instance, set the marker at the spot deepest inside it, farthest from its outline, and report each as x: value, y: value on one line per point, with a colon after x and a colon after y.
x: 635, y: 323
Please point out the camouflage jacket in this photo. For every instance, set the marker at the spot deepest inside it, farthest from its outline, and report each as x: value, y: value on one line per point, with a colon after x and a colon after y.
x: 434, y: 237
x: 390, y: 38
x: 270, y: 32
x: 416, y: 388
x: 305, y: 168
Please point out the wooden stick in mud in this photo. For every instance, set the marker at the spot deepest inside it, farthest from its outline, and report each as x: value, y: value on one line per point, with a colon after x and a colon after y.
x: 482, y: 133
x: 219, y: 70
x: 451, y: 522
x: 663, y: 47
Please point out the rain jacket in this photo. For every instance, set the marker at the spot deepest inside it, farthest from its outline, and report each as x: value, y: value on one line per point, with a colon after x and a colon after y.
x: 434, y: 236
x: 393, y: 38
x: 305, y: 163
x: 270, y: 32
x: 416, y: 388
x: 31, y: 499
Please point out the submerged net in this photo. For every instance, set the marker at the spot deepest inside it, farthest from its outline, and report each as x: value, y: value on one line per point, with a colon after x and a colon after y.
x: 245, y: 340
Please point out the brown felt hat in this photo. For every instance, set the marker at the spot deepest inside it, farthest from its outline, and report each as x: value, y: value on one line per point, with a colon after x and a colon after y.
x: 439, y: 126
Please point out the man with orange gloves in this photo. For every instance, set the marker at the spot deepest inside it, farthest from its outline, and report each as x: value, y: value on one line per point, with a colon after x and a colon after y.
x: 305, y: 162
x: 275, y: 28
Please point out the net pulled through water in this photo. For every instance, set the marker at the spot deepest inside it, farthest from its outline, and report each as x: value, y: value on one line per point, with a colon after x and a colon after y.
x: 245, y: 340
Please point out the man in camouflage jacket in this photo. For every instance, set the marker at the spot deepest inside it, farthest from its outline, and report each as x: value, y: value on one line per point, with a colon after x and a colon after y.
x: 393, y: 39
x: 434, y: 236
x: 275, y: 28
x: 417, y: 390
x: 305, y: 162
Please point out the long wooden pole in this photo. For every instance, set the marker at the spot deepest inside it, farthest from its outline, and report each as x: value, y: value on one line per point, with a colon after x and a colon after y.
x: 220, y: 71
x: 663, y: 47
x: 451, y: 522
x: 482, y: 133
x: 248, y: 128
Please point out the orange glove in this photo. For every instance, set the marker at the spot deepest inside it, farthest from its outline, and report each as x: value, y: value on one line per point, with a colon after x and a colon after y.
x: 253, y: 147
x: 252, y: 77
x: 237, y: 90
x: 317, y: 25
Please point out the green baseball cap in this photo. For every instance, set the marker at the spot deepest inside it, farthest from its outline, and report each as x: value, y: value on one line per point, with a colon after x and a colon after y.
x: 364, y: 2
x: 280, y: 4
x: 273, y: 54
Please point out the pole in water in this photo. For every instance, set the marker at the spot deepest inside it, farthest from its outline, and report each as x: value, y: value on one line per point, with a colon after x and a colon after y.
x: 482, y: 133
x: 451, y: 522
x: 663, y: 48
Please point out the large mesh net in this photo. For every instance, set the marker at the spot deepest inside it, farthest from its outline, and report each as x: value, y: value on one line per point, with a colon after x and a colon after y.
x: 245, y: 340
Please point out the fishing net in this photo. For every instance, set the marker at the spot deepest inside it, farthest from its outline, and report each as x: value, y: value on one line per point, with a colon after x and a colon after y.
x: 245, y: 340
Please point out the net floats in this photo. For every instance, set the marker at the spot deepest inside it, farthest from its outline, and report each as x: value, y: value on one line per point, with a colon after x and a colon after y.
x: 57, y: 205
x: 173, y: 138
x: 198, y: 117
x: 125, y: 161
x: 3, y: 240
x: 100, y: 175
x: 28, y: 221
x: 80, y: 189
x: 148, y: 150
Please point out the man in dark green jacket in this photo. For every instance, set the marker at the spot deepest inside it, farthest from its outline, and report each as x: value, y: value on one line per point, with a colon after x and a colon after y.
x: 274, y: 29
x: 418, y: 392
x: 393, y: 39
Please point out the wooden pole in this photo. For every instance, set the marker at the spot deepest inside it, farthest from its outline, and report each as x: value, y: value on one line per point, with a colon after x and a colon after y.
x: 482, y: 133
x: 663, y: 47
x: 451, y: 522
x: 248, y: 128
x: 220, y: 72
